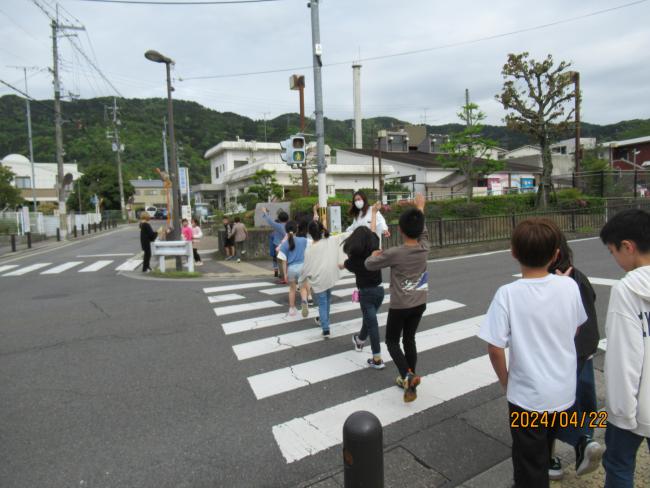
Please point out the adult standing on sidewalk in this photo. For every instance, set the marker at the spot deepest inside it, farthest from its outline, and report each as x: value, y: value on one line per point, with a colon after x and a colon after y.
x: 147, y: 236
x: 362, y: 216
x: 239, y: 235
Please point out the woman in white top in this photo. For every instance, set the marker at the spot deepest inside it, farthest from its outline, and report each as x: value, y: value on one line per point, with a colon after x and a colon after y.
x: 362, y: 215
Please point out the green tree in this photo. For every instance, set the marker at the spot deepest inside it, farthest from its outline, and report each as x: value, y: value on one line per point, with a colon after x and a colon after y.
x: 9, y: 196
x: 537, y: 93
x: 266, y: 185
x: 468, y: 149
x: 100, y: 180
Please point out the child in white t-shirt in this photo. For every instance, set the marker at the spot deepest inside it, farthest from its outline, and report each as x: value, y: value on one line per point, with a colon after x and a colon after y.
x: 536, y: 317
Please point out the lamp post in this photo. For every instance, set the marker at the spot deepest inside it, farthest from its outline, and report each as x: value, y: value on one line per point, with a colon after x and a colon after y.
x: 175, y: 233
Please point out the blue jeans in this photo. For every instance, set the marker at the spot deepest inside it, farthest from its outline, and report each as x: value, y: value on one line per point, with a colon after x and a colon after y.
x: 620, y: 456
x: 585, y: 402
x: 370, y: 300
x: 324, y: 301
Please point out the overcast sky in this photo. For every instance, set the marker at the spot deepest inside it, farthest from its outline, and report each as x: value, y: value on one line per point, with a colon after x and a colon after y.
x: 610, y: 50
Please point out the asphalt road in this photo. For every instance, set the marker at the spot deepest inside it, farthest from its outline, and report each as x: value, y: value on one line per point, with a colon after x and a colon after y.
x: 109, y: 380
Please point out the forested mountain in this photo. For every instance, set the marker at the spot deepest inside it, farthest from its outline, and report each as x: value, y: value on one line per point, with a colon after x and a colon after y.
x: 198, y: 129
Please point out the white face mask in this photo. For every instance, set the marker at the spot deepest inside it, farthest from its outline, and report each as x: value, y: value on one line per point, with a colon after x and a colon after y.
x: 358, y: 204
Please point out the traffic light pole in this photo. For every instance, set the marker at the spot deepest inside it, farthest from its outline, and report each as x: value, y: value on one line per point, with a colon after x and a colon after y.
x: 318, y: 102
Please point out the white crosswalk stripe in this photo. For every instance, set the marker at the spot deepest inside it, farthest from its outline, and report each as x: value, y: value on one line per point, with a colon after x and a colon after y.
x: 273, y: 344
x: 243, y: 307
x: 279, y: 290
x: 7, y: 267
x: 62, y: 267
x: 308, y: 435
x: 96, y: 266
x: 286, y: 379
x: 27, y: 269
x: 225, y: 298
x: 240, y: 286
x: 129, y: 265
x: 347, y: 292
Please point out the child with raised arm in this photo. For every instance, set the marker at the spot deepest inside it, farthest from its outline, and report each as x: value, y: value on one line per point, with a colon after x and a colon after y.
x: 409, y: 285
x: 359, y: 246
x: 536, y: 317
x: 627, y: 360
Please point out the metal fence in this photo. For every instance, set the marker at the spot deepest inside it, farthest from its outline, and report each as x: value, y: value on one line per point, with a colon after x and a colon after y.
x: 608, y: 183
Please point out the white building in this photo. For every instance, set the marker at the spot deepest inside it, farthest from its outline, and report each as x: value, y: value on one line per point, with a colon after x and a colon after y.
x: 568, y: 146
x: 233, y: 165
x: 45, y: 175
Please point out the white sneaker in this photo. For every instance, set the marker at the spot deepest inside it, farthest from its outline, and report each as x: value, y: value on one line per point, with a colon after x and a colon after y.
x: 292, y: 312
x: 239, y: 260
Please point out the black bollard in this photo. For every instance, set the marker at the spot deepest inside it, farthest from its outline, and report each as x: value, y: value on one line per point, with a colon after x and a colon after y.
x: 82, y: 229
x: 363, y: 451
x: 29, y: 239
x: 58, y: 234
x: 13, y: 242
x: 95, y: 228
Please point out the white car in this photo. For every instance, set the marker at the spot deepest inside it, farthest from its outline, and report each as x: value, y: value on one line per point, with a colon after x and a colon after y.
x: 151, y: 211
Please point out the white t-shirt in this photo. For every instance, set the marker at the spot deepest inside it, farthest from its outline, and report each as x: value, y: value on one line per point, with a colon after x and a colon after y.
x: 366, y: 220
x: 538, y: 318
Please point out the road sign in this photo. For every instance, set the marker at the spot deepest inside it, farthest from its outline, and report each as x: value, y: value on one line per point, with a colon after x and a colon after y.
x: 183, y: 180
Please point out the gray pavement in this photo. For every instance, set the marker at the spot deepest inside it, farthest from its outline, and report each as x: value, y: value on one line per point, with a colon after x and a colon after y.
x: 110, y: 381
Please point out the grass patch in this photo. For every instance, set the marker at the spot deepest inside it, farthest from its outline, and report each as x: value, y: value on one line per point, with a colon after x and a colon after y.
x: 176, y: 274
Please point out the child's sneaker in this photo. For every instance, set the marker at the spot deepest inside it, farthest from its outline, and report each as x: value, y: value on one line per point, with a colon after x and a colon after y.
x: 326, y: 334
x: 588, y: 455
x: 555, y: 471
x: 358, y: 343
x: 411, y: 382
x: 304, y: 309
x: 310, y: 301
x: 399, y: 381
x: 376, y: 363
x: 317, y: 320
x: 292, y: 312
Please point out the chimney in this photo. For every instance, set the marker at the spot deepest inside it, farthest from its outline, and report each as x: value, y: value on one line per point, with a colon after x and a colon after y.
x: 358, y: 133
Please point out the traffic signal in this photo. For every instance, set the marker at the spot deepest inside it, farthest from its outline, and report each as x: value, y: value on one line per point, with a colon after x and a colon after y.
x: 293, y: 150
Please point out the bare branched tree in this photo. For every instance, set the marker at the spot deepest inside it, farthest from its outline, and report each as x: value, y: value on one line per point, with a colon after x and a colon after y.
x: 537, y: 95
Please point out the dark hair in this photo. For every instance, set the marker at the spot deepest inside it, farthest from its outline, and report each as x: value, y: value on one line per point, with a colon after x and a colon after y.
x: 195, y: 221
x: 317, y: 230
x: 535, y: 241
x: 303, y: 224
x: 225, y: 217
x: 361, y: 243
x: 184, y: 221
x: 291, y: 228
x: 628, y: 225
x: 283, y: 216
x: 565, y: 259
x: 411, y: 223
x: 237, y: 219
x: 354, y: 211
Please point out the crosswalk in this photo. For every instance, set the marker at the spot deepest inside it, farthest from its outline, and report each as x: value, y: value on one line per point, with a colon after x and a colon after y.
x: 49, y: 269
x: 284, y: 363
x: 260, y: 328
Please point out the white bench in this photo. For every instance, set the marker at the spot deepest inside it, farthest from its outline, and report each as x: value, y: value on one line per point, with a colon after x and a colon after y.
x: 173, y: 248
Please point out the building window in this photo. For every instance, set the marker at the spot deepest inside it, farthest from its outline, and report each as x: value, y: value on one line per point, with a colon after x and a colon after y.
x: 23, y: 182
x: 239, y: 164
x: 216, y: 172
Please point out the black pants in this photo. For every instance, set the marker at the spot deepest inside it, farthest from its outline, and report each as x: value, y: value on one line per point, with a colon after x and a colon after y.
x: 531, y: 450
x: 197, y: 258
x: 147, y: 258
x: 403, y: 322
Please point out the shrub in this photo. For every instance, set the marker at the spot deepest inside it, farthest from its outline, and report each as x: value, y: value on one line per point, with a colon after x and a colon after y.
x: 468, y: 209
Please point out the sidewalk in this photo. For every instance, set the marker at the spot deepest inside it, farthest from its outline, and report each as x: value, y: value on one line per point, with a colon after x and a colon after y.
x: 451, y: 453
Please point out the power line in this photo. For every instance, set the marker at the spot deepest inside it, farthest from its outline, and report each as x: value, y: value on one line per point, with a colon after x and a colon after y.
x: 423, y: 50
x: 154, y: 2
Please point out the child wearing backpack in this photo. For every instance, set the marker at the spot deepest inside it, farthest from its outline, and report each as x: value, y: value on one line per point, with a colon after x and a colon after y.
x: 409, y: 285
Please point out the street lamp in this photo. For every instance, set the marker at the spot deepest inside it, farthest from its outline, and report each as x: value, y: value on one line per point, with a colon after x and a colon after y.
x: 175, y: 234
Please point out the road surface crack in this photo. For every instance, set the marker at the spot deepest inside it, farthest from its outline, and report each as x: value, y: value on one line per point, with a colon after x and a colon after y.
x: 100, y: 309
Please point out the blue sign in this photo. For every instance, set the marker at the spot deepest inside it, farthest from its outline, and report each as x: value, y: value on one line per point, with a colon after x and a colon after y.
x: 183, y: 180
x: 527, y: 182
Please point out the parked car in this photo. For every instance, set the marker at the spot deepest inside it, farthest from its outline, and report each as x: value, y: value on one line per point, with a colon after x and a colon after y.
x: 161, y: 213
x: 151, y: 211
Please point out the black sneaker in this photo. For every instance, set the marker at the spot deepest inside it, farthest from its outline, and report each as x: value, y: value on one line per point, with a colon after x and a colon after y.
x: 310, y: 301
x: 588, y: 455
x: 376, y: 363
x: 317, y: 320
x: 555, y: 471
x: 358, y: 343
x: 326, y: 334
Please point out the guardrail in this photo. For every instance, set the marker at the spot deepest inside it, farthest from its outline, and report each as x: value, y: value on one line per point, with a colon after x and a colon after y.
x: 163, y: 249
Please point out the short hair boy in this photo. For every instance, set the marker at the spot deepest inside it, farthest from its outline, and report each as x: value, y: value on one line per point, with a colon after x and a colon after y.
x: 537, y: 318
x: 627, y: 236
x: 409, y: 285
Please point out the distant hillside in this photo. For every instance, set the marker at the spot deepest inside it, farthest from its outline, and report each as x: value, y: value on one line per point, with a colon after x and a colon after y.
x: 197, y: 129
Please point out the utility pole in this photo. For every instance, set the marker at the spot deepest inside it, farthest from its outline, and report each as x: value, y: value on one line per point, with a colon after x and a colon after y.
x: 118, y: 148
x: 164, y: 135
x: 318, y: 104
x: 58, y: 131
x: 576, y: 80
x: 264, y: 115
x: 297, y: 82
x: 29, y: 131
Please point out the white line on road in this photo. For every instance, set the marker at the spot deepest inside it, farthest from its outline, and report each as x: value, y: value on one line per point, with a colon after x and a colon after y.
x: 96, y: 266
x: 129, y: 265
x: 242, y: 307
x: 278, y: 319
x: 285, y: 289
x: 7, y: 267
x: 273, y: 344
x: 27, y: 269
x: 286, y: 379
x: 347, y: 292
x: 105, y: 255
x: 62, y: 267
x: 225, y: 298
x: 306, y: 436
x: 241, y: 286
